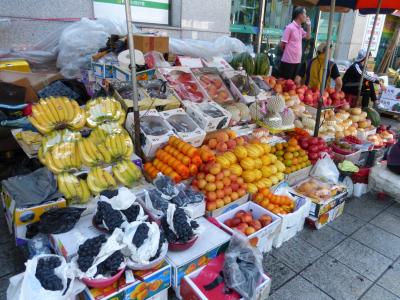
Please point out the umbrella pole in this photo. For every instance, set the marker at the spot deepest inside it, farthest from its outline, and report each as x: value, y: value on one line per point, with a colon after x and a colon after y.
x: 260, y: 25
x: 133, y: 75
x: 368, y: 50
x: 327, y: 55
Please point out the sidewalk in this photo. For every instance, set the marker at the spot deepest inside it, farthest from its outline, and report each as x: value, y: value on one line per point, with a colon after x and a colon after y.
x: 355, y: 257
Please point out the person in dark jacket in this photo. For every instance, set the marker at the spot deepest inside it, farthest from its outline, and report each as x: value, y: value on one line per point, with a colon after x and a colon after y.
x: 351, y: 81
x: 393, y: 158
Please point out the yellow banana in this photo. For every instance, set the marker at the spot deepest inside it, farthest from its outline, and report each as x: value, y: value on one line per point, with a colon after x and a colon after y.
x: 62, y: 188
x: 84, y: 156
x: 101, y: 181
x: 121, y: 143
x: 110, y: 180
x: 129, y: 146
x: 91, y: 181
x: 69, y: 109
x: 50, y: 163
x: 42, y: 128
x: 117, y: 174
x: 40, y: 115
x: 41, y: 155
x: 58, y: 157
x: 106, y: 154
x: 78, y: 162
x: 47, y: 111
x: 90, y: 149
x: 86, y: 192
x: 118, y: 145
x: 79, y: 117
x: 60, y: 106
x: 53, y: 109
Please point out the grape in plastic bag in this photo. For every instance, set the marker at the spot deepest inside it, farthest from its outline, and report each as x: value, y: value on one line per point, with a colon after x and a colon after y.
x: 165, y: 185
x: 242, y: 267
x: 59, y: 220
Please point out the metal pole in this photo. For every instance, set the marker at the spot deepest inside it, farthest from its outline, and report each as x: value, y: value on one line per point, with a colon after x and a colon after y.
x: 261, y: 13
x: 368, y: 50
x: 327, y: 55
x: 133, y: 75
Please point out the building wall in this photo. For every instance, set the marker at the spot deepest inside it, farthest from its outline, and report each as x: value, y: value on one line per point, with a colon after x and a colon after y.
x: 189, y: 19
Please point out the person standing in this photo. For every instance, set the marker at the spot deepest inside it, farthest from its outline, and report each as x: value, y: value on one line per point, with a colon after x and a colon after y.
x: 351, y: 81
x: 315, y: 70
x: 291, y: 43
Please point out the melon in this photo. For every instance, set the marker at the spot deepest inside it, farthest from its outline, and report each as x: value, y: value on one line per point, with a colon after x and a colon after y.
x: 374, y: 116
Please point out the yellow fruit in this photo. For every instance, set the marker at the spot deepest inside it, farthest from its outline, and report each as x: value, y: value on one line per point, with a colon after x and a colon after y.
x: 280, y: 176
x: 258, y: 163
x: 274, y: 180
x: 249, y: 176
x: 260, y: 148
x: 258, y: 174
x: 273, y: 169
x: 281, y: 167
x: 247, y: 163
x: 240, y: 152
x: 266, y: 160
x: 272, y: 157
x: 252, y: 188
x: 260, y: 184
x: 266, y: 171
x: 268, y: 182
x: 223, y: 161
x: 288, y: 155
x: 231, y: 157
x: 253, y: 151
x: 236, y: 169
x: 266, y: 147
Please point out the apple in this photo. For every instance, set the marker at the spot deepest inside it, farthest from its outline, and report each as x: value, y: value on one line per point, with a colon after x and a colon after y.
x: 219, y: 184
x: 227, y: 190
x: 234, y: 196
x: 313, y: 156
x: 265, y: 220
x: 240, y: 213
x: 313, y: 141
x: 304, y: 144
x: 247, y: 217
x: 235, y: 186
x: 219, y: 176
x: 220, y: 194
x: 211, y: 196
x: 227, y: 181
x: 241, y: 192
x: 201, y: 183
x: 256, y: 224
x: 227, y: 200
x: 241, y: 227
x: 228, y: 222
x: 215, y: 169
x: 210, y: 178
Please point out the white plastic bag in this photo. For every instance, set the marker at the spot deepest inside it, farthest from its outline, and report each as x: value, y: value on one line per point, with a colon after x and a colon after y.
x: 113, y: 244
x: 26, y: 286
x: 325, y: 169
x: 223, y: 46
x: 79, y: 41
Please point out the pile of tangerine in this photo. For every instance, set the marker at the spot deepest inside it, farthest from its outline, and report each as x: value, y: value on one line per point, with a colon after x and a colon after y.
x: 278, y: 204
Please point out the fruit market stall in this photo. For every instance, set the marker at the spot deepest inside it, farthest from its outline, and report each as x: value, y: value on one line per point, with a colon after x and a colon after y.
x: 227, y: 166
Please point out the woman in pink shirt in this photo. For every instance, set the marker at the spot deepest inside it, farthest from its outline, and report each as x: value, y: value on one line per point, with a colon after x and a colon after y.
x: 291, y: 44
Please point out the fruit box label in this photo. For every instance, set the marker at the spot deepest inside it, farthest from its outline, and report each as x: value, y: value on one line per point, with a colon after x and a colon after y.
x: 326, y: 217
x: 391, y: 93
x: 148, y: 284
x: 317, y: 209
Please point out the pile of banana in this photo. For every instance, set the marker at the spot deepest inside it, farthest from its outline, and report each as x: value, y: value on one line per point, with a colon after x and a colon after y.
x: 115, y: 147
x: 73, y: 188
x: 126, y: 172
x: 101, y: 110
x: 55, y: 138
x: 56, y: 113
x: 100, y: 180
x: 63, y: 157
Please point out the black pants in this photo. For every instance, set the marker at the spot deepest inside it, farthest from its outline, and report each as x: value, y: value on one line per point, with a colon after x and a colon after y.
x: 289, y: 71
x: 394, y: 169
x: 367, y: 94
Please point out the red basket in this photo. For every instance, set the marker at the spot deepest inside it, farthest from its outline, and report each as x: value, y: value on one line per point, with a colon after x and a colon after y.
x: 361, y: 176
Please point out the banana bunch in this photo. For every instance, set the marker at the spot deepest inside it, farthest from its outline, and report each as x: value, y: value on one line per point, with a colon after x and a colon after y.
x: 119, y: 145
x: 73, y: 188
x: 62, y: 157
x: 55, y: 113
x: 100, y: 180
x: 101, y: 110
x: 54, y: 138
x: 100, y: 133
x: 126, y: 172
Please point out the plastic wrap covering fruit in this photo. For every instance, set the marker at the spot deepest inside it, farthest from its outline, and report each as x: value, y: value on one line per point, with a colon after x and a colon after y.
x: 100, y: 180
x: 156, y: 88
x: 55, y: 113
x: 62, y: 157
x: 101, y: 110
x: 317, y: 190
x: 73, y: 188
x: 55, y: 138
x: 155, y: 59
x: 212, y: 82
x: 182, y: 123
x: 178, y: 226
x: 126, y: 173
x: 153, y: 125
x: 185, y: 85
x: 105, y: 144
x: 244, y: 85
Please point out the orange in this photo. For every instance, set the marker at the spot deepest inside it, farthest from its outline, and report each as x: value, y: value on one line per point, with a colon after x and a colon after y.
x: 292, y: 142
x: 279, y: 146
x: 288, y: 155
x: 273, y: 149
x: 291, y: 148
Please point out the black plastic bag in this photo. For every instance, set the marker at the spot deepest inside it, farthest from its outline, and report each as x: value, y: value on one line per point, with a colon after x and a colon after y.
x: 59, y: 220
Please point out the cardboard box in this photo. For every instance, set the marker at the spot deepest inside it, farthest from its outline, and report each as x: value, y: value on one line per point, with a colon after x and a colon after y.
x: 123, y: 74
x: 327, y: 217
x: 178, y: 119
x: 208, y: 115
x: 67, y: 244
x: 147, y: 43
x: 296, y: 177
x: 262, y: 238
x: 211, y: 242
x: 146, y: 285
x: 150, y: 142
x: 318, y: 209
x: 19, y: 218
x: 222, y: 210
x: 189, y: 290
x: 294, y: 222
